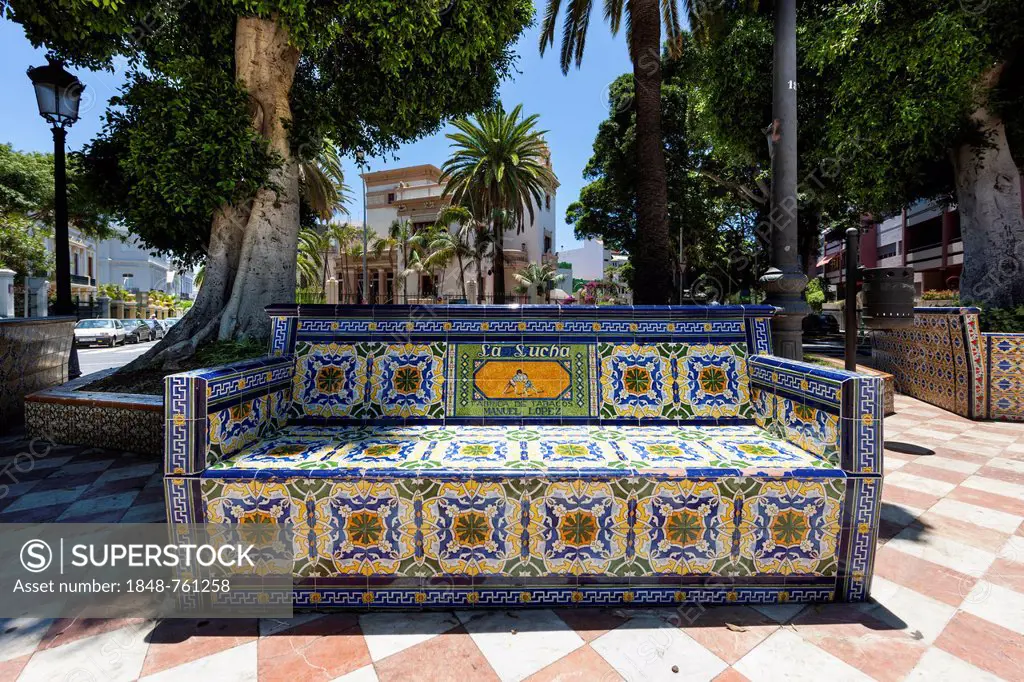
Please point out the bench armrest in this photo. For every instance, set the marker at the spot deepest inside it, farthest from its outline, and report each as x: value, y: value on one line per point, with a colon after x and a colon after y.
x: 835, y: 414
x: 213, y: 413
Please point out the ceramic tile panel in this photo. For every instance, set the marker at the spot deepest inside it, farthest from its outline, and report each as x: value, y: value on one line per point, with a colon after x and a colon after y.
x: 33, y: 356
x: 496, y: 451
x: 522, y: 530
x: 938, y: 360
x: 522, y: 380
x: 330, y: 379
x: 1005, y: 354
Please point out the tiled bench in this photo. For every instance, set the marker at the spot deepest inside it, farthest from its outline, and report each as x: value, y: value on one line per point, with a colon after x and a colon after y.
x: 433, y: 456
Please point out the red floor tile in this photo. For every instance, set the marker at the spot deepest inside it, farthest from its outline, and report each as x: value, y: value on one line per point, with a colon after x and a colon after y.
x: 924, y: 577
x: 731, y: 675
x: 582, y: 665
x: 9, y: 670
x: 921, y: 468
x: 1007, y: 573
x: 985, y: 645
x: 449, y: 657
x: 990, y: 500
x: 590, y: 624
x: 962, y: 531
x: 911, y: 498
x: 730, y: 632
x: 174, y: 642
x: 861, y: 640
x: 1002, y: 474
x: 961, y: 456
x: 317, y: 651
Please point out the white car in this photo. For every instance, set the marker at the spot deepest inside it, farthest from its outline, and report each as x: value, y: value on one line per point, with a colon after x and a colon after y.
x: 102, y: 331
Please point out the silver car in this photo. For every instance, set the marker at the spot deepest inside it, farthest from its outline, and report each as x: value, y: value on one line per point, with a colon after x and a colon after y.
x: 106, y: 332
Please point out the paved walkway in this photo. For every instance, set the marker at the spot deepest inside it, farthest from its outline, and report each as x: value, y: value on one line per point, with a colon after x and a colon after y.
x: 948, y: 591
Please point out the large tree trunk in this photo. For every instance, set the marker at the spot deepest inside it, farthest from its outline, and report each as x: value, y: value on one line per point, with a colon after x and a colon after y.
x: 988, y: 185
x: 652, y: 252
x: 251, y: 259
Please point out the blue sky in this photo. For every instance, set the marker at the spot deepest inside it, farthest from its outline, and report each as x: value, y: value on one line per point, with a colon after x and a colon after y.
x: 570, y: 108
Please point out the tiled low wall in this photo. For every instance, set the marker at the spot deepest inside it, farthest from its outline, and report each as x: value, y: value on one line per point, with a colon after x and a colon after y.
x: 33, y: 355
x: 945, y: 360
x: 66, y: 414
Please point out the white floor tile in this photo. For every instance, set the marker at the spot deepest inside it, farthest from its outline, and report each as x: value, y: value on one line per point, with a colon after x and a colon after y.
x: 1013, y: 550
x: 389, y: 633
x: 996, y: 604
x: 1015, y: 465
x: 921, y: 617
x: 272, y: 626
x: 920, y: 483
x: 938, y: 666
x: 112, y: 657
x: 980, y: 516
x: 786, y: 656
x: 541, y: 639
x: 893, y: 463
x: 995, y: 486
x: 364, y: 674
x: 20, y: 636
x: 237, y: 664
x: 925, y: 544
x: 645, y: 648
x: 781, y: 613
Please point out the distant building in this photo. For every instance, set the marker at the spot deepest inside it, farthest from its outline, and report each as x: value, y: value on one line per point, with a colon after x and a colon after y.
x: 121, y: 260
x: 414, y: 195
x: 924, y: 236
x: 590, y: 261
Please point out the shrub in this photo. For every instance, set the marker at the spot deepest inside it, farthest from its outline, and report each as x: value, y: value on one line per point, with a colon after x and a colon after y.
x: 1006, y: 320
x: 815, y: 294
x: 941, y: 295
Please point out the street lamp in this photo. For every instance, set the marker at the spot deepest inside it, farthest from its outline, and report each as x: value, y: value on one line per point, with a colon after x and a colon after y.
x: 58, y: 94
x: 361, y: 162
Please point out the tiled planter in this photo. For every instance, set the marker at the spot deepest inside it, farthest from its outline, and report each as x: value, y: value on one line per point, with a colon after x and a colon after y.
x: 945, y: 360
x: 66, y: 414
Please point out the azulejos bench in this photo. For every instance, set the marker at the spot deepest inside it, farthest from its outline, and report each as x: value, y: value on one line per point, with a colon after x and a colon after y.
x: 435, y: 456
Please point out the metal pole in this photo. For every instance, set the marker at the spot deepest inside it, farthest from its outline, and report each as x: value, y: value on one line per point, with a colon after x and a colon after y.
x: 61, y: 242
x: 785, y: 280
x: 850, y: 311
x: 366, y: 276
x: 62, y: 248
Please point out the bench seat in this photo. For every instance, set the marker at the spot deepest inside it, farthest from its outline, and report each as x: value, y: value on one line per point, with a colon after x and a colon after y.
x: 521, y: 450
x: 461, y: 456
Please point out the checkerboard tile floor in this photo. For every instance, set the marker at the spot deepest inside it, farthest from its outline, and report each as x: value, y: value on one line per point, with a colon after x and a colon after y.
x: 948, y: 597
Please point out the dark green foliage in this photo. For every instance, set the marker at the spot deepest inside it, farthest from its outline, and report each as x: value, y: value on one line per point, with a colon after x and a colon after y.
x: 1006, y: 320
x: 180, y: 144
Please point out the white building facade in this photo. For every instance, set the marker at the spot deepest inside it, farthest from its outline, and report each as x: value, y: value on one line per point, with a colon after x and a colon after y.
x: 414, y: 195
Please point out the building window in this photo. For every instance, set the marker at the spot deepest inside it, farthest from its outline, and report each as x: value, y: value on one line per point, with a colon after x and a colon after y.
x: 547, y: 244
x: 547, y: 202
x: 391, y: 197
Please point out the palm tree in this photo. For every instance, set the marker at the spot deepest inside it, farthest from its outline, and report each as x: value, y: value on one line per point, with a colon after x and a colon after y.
x: 402, y: 235
x: 311, y: 259
x: 652, y: 252
x: 455, y: 244
x: 541, y: 276
x: 500, y: 161
x: 322, y: 182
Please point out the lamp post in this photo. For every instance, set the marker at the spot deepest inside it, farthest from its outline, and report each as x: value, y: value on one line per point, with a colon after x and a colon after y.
x: 785, y: 280
x: 58, y: 94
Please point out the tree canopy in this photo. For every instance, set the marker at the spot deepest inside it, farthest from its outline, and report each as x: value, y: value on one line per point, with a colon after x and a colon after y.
x: 178, y: 141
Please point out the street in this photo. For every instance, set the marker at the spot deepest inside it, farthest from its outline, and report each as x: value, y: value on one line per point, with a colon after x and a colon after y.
x: 94, y: 359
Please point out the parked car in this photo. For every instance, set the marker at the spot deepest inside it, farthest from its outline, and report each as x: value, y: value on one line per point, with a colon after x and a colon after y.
x: 137, y: 331
x: 157, y: 328
x: 106, y: 332
x: 820, y: 325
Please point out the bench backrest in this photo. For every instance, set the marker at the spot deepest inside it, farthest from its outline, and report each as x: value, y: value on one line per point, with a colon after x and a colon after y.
x: 520, y: 364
